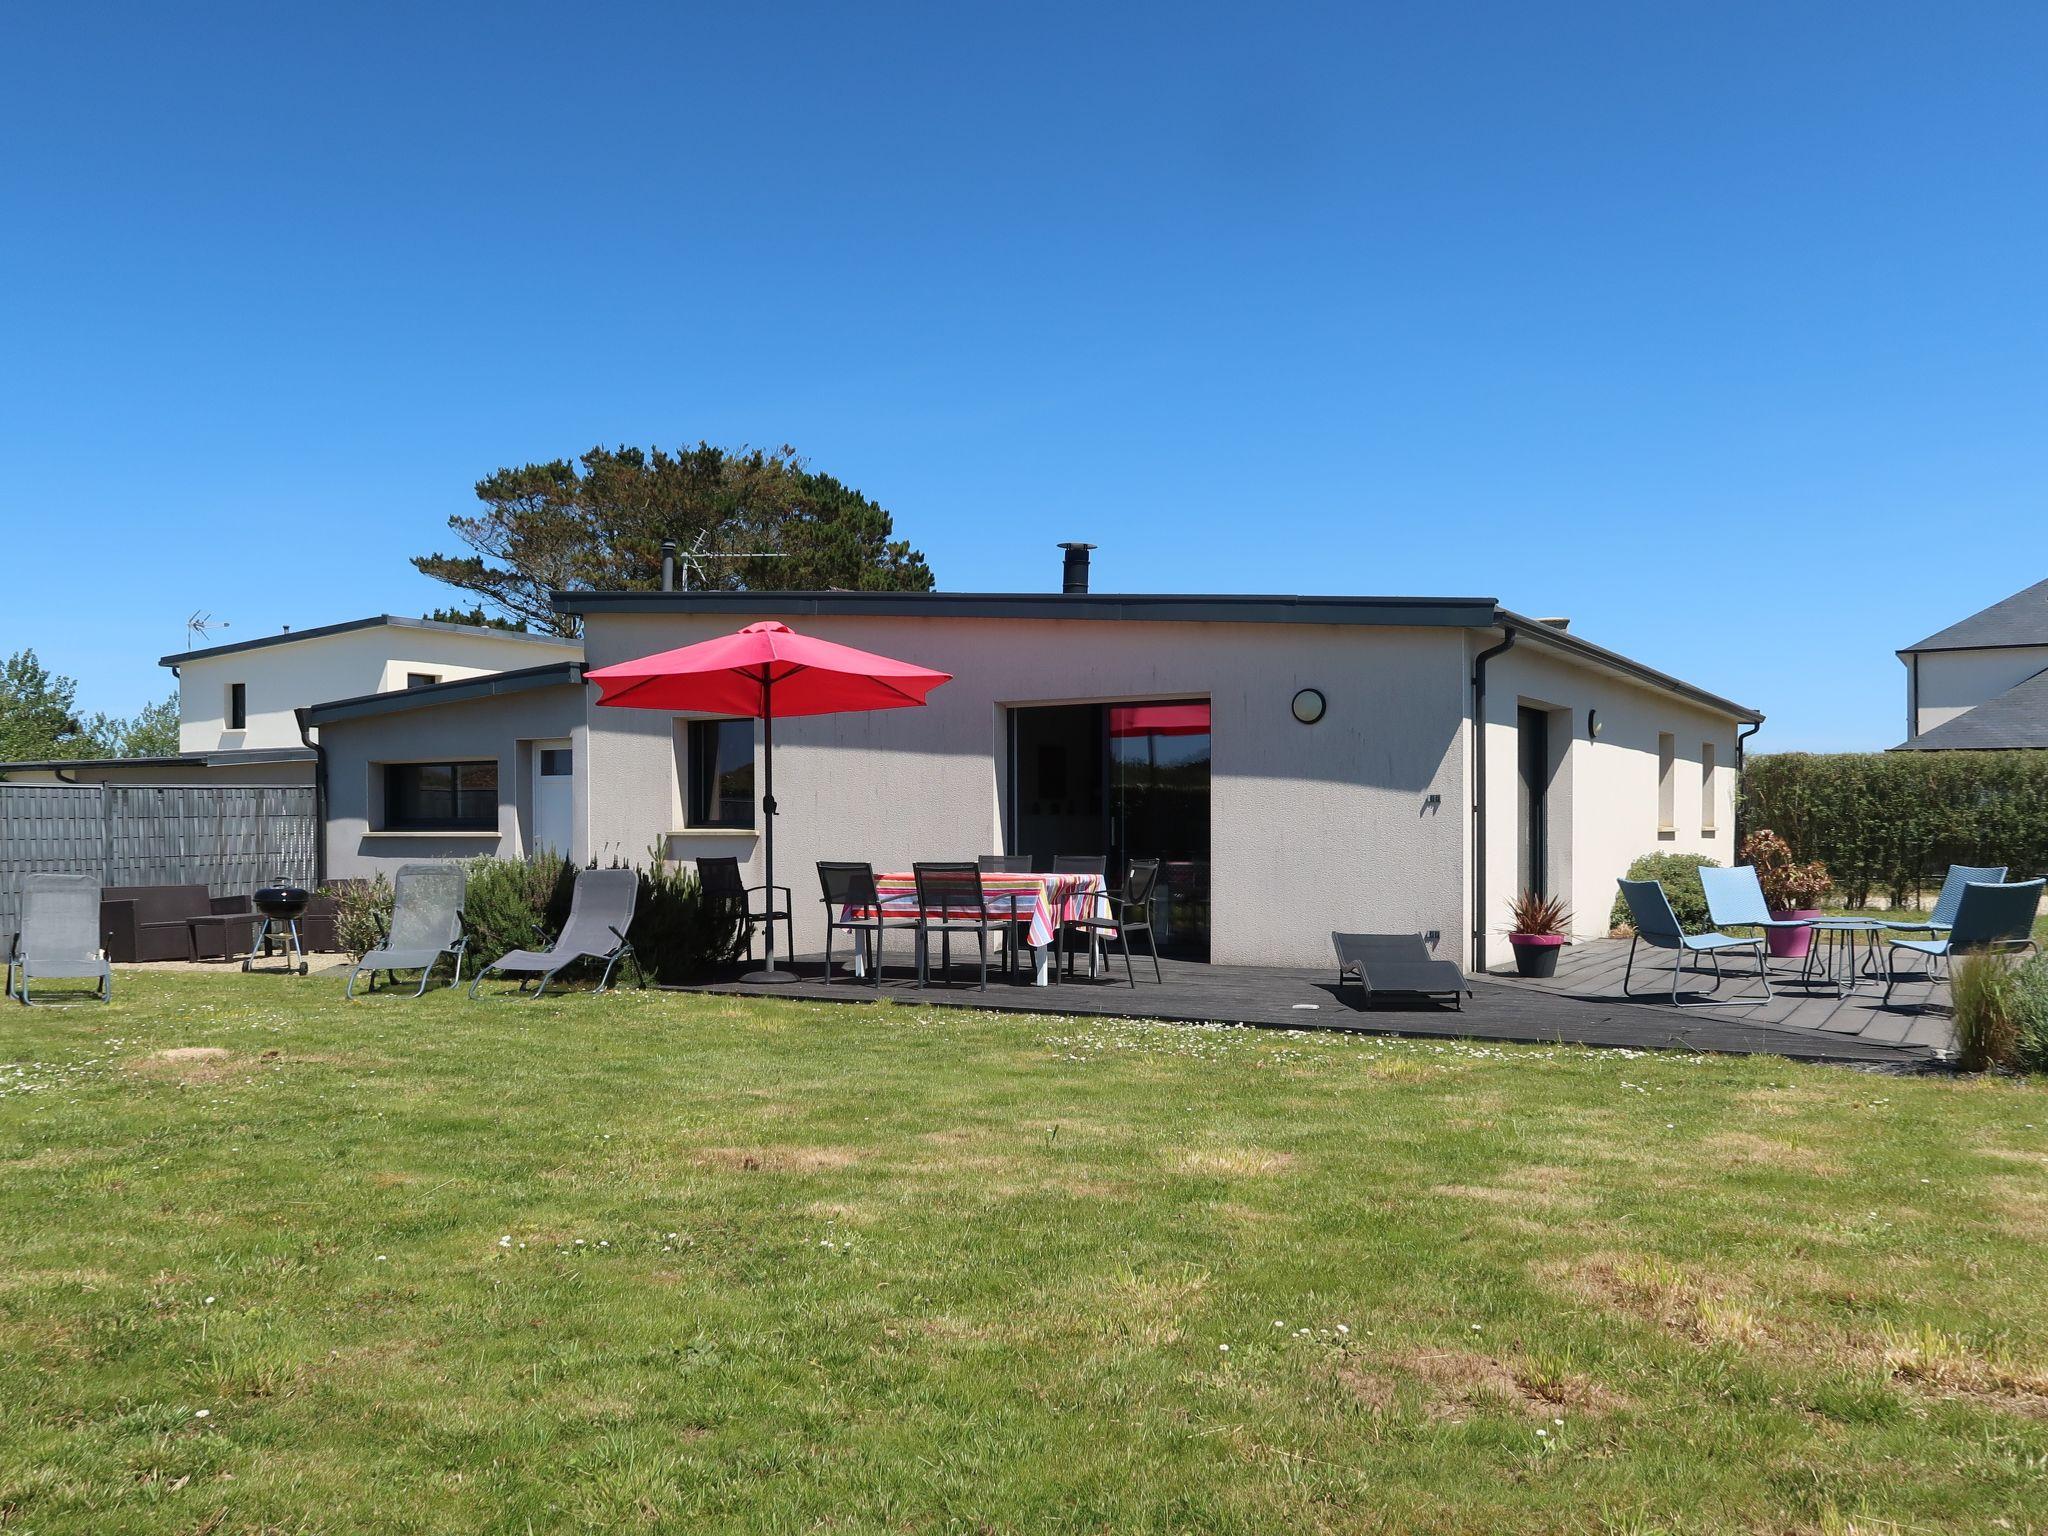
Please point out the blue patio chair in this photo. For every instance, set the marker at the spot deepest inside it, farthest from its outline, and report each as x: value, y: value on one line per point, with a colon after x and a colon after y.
x: 1657, y: 926
x: 1735, y: 899
x: 1943, y: 914
x: 1991, y: 919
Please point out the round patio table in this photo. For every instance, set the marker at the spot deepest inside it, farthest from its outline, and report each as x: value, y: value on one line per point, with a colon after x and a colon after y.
x: 1831, y: 957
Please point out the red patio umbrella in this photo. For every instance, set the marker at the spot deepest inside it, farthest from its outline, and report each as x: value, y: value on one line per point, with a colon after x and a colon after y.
x: 764, y: 671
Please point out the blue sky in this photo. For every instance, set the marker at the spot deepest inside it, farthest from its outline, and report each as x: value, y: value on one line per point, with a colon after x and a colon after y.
x: 1719, y: 328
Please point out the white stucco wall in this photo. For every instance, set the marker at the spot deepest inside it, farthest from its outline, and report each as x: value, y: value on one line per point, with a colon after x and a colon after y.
x: 1312, y: 827
x: 1603, y: 806
x: 503, y: 729
x: 1954, y: 682
x: 320, y: 668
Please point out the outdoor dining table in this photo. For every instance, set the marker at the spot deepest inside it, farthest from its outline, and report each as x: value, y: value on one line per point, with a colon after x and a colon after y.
x: 1038, y: 902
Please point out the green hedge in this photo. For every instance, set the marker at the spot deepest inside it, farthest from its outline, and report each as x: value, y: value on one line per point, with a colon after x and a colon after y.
x: 1890, y: 823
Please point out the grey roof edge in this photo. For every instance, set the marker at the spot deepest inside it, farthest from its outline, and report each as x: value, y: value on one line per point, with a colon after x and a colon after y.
x: 1393, y: 612
x: 391, y: 620
x: 1586, y: 650
x: 1453, y: 612
x: 462, y: 690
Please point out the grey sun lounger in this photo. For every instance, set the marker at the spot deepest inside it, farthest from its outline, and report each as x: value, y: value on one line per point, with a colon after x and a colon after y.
x: 1397, y: 962
x: 60, y: 936
x: 600, y: 916
x: 426, y: 923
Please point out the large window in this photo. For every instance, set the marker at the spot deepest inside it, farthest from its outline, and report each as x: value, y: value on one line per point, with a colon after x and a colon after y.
x: 720, y: 766
x: 441, y: 797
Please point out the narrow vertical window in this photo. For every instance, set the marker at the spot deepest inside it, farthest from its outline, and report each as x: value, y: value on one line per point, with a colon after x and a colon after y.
x: 238, y: 706
x: 1707, y: 795
x: 1667, y: 782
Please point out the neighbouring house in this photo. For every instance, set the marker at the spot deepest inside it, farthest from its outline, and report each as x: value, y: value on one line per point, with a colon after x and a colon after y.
x: 238, y: 704
x: 1301, y: 764
x: 1981, y: 685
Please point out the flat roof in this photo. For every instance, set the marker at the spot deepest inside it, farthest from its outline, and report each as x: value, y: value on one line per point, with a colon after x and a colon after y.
x: 229, y: 759
x: 1216, y: 608
x: 390, y: 620
x: 489, y: 685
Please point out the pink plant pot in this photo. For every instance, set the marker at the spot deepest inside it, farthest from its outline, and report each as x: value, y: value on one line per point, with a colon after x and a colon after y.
x: 1790, y: 943
x: 1536, y: 953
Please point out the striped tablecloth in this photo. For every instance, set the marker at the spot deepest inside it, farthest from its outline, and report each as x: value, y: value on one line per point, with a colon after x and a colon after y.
x: 1044, y: 900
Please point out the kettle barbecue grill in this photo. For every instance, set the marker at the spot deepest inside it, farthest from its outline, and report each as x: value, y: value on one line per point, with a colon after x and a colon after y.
x: 282, y: 904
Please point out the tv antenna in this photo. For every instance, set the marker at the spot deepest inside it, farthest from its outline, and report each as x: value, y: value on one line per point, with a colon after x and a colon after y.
x: 689, y: 563
x: 200, y: 625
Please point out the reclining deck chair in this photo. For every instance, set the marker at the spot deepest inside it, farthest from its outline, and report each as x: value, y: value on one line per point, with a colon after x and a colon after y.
x: 60, y: 935
x: 426, y: 923
x: 1398, y: 962
x: 600, y: 915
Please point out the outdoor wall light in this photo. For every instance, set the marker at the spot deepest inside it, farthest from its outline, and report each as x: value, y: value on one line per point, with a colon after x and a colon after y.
x: 1309, y: 706
x: 1593, y: 724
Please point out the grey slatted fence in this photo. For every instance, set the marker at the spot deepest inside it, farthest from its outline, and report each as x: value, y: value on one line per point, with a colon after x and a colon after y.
x: 230, y: 838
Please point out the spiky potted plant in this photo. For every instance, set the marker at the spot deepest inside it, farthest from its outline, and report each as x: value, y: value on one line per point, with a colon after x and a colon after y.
x: 1791, y: 890
x: 1538, y: 927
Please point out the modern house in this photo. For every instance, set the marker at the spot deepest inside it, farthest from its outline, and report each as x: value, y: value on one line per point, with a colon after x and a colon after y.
x: 1981, y: 685
x: 238, y: 704
x: 1301, y: 764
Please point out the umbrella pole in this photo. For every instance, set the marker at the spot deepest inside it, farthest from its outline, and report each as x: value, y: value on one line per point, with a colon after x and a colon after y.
x: 769, y: 974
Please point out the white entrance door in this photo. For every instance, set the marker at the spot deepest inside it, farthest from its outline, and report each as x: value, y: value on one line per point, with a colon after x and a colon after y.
x: 554, y: 804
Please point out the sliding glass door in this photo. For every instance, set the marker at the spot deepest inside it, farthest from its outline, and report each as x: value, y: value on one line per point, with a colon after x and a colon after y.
x: 1127, y: 781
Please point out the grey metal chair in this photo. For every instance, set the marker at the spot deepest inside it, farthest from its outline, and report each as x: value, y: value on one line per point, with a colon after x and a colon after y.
x: 60, y: 936
x: 722, y: 881
x: 1991, y: 919
x: 600, y: 917
x: 1081, y: 864
x: 852, y: 886
x: 1397, y: 962
x: 950, y: 900
x: 1004, y: 863
x: 1657, y: 926
x: 426, y: 923
x: 1129, y: 911
x: 1735, y: 899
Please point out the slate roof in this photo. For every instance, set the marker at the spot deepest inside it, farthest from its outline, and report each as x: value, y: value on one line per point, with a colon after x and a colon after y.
x: 2021, y: 619
x: 2018, y: 717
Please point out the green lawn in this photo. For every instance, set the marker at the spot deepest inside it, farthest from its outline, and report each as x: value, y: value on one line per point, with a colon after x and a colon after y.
x: 651, y: 1262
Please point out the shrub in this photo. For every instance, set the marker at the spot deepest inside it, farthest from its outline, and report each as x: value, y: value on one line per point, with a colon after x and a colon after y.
x: 2030, y: 999
x: 362, y: 913
x: 1985, y: 992
x: 515, y: 903
x: 1892, y: 822
x: 1788, y: 885
x: 1680, y: 875
x: 677, y: 935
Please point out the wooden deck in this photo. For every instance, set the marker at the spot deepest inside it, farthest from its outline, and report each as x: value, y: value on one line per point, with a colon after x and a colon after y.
x: 1582, y: 1006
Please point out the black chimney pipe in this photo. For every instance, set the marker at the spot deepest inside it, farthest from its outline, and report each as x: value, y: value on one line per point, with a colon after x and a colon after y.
x: 1074, y: 577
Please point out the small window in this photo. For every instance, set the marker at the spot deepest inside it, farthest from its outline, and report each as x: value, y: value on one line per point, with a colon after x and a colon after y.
x: 1667, y: 783
x: 721, y: 774
x: 557, y: 762
x: 238, y: 706
x: 421, y: 679
x: 1707, y: 797
x: 441, y: 797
